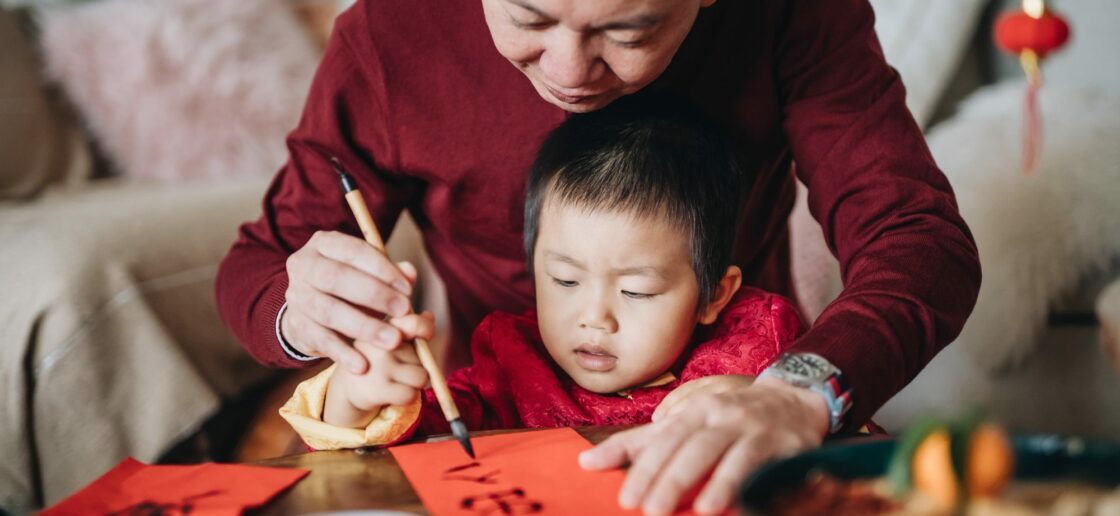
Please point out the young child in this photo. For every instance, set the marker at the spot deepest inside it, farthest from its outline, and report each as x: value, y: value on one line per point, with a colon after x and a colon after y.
x: 629, y: 220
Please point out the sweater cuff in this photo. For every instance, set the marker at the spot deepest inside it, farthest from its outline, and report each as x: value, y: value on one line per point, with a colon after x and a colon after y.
x: 304, y: 411
x: 289, y: 350
x: 264, y: 339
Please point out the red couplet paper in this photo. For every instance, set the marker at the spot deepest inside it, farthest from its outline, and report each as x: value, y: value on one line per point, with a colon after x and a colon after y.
x: 133, y: 486
x: 519, y: 473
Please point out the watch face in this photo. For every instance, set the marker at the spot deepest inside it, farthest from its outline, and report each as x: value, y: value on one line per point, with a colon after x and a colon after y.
x: 808, y: 366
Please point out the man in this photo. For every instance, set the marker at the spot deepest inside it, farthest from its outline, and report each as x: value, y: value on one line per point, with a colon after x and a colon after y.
x: 420, y: 101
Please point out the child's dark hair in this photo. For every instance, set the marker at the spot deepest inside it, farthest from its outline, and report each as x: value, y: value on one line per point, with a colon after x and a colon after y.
x: 648, y: 155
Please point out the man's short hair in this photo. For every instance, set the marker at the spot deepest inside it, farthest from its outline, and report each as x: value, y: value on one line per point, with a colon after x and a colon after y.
x: 649, y: 155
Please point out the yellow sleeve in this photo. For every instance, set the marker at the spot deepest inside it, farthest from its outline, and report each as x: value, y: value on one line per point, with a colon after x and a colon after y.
x: 304, y: 411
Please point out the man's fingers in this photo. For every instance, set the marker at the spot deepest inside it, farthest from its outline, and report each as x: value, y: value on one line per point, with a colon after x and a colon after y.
x: 646, y: 464
x: 346, y: 282
x: 409, y: 271
x: 316, y: 340
x: 615, y: 451
x: 687, y: 466
x: 344, y: 318
x: 742, y: 459
x: 671, y: 401
x: 359, y: 254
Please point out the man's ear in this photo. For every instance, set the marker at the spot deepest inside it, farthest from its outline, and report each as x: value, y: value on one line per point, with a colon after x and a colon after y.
x: 707, y: 3
x: 726, y: 288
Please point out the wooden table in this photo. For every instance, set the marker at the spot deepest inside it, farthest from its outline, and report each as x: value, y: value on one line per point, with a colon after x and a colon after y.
x: 363, y: 479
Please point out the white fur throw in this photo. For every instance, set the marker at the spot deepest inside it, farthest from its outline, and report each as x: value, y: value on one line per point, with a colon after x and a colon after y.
x: 183, y: 89
x: 1038, y: 235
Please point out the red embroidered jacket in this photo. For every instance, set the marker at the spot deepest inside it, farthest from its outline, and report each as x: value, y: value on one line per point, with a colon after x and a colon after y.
x: 514, y: 383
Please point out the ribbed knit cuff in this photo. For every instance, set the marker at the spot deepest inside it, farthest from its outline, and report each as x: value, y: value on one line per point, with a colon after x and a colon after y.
x: 290, y: 350
x: 265, y: 317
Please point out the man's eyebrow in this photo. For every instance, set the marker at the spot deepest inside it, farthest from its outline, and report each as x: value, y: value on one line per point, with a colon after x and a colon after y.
x: 644, y: 21
x: 529, y: 7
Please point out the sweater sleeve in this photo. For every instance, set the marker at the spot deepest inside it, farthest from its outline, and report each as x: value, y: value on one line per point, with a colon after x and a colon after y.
x: 910, y: 268
x: 343, y: 118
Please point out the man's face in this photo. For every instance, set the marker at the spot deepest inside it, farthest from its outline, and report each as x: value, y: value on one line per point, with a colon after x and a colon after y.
x: 581, y: 55
x: 616, y: 294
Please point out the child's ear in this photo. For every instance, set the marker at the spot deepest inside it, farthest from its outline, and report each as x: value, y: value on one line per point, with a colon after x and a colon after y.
x: 726, y: 288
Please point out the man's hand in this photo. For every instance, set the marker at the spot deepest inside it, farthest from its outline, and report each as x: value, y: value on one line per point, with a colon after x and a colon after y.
x: 336, y: 286
x: 728, y: 430
x: 677, y: 400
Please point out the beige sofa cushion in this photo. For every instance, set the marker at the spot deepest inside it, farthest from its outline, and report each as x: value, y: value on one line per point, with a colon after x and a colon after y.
x: 112, y: 345
x: 40, y: 142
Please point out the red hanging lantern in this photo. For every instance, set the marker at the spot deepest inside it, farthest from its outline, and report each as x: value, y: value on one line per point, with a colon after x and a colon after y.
x: 1031, y: 33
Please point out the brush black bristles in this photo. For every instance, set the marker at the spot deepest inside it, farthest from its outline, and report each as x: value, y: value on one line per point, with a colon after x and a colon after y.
x: 460, y: 431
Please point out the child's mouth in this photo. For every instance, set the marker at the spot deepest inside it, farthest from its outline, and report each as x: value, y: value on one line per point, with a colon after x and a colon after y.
x: 595, y: 358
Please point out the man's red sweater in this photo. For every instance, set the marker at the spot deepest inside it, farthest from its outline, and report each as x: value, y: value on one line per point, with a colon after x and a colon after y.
x: 415, y: 101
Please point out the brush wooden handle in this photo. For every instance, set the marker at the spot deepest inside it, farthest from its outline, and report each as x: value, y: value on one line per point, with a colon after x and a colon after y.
x: 427, y: 359
x: 365, y: 220
x: 439, y: 383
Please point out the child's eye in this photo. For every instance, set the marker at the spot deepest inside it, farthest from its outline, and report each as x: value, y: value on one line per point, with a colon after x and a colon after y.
x: 636, y: 295
x: 564, y: 283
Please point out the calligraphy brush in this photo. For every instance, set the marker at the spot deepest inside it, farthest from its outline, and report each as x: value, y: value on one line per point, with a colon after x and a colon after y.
x: 439, y: 383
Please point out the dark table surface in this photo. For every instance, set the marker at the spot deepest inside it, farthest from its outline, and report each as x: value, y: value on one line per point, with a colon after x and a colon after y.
x: 363, y: 479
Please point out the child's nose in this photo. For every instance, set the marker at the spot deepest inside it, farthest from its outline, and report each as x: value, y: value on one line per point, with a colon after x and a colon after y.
x: 597, y: 315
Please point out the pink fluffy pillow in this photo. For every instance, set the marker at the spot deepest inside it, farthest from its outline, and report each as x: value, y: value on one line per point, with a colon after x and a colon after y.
x: 183, y: 89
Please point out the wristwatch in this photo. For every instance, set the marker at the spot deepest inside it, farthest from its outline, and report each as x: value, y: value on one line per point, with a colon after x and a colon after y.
x: 811, y: 371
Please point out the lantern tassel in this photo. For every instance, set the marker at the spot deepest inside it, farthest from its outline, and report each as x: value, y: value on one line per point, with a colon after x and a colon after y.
x: 1032, y: 118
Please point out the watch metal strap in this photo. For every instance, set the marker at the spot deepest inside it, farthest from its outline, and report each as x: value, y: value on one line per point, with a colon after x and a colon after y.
x: 835, y: 390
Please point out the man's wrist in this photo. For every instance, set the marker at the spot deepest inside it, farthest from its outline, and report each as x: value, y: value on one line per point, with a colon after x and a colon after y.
x: 812, y: 401
x: 814, y: 373
x: 289, y: 350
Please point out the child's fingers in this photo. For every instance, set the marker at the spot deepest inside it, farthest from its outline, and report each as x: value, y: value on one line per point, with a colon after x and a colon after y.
x: 409, y: 374
x: 381, y: 360
x: 406, y: 355
x: 398, y: 394
x: 373, y: 352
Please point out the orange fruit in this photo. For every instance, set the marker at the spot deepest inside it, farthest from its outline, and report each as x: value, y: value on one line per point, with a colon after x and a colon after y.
x: 991, y: 461
x: 933, y: 470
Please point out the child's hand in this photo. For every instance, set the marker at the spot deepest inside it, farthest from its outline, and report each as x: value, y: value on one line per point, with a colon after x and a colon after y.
x: 394, y: 377
x: 707, y: 385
